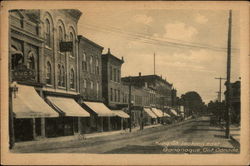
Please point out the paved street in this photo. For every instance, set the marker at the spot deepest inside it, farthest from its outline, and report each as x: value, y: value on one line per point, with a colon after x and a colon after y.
x: 193, y: 136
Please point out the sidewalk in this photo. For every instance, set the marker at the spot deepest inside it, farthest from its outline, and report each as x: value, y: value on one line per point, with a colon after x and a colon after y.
x: 78, y: 137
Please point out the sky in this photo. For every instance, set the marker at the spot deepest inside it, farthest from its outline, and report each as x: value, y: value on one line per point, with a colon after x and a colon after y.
x: 136, y: 33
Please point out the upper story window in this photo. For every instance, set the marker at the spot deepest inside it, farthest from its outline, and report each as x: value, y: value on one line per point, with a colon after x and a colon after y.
x: 31, y: 61
x: 110, y: 74
x: 115, y: 75
x: 72, y: 79
x: 48, y: 73
x: 71, y: 38
x: 97, y: 90
x: 85, y: 83
x: 97, y: 67
x: 118, y: 75
x: 91, y: 85
x: 91, y: 64
x: 47, y: 33
x: 60, y: 36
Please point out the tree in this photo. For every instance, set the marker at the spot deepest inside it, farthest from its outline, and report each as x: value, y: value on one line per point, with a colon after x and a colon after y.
x: 193, y: 103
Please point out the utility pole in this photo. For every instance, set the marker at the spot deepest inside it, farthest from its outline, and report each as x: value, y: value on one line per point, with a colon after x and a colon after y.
x: 129, y: 106
x: 219, y: 93
x: 154, y: 63
x: 228, y: 85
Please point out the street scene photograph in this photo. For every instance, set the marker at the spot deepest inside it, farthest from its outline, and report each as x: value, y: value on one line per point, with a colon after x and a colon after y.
x: 124, y: 79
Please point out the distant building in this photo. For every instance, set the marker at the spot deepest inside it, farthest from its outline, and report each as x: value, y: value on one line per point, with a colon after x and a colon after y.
x: 90, y: 66
x: 111, y: 79
x: 162, y: 90
x: 235, y: 102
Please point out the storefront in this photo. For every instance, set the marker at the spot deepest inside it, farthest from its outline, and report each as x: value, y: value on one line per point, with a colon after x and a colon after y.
x: 158, y: 113
x: 120, y: 121
x: 30, y: 111
x: 71, y: 119
x: 149, y: 116
x: 99, y: 116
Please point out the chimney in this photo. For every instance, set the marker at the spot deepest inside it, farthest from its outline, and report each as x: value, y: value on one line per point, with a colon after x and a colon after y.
x: 122, y: 59
x: 139, y: 73
x: 108, y: 50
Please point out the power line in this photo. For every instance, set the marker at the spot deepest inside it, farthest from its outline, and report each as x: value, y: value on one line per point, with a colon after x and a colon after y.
x: 149, y: 40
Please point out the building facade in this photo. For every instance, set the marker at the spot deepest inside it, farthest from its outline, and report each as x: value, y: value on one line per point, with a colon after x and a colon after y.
x: 111, y: 79
x: 90, y: 67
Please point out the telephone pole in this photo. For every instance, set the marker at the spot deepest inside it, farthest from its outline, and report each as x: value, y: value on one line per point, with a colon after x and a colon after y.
x: 129, y: 106
x: 228, y: 85
x: 219, y: 93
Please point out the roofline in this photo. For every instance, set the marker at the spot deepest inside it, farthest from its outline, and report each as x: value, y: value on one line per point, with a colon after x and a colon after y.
x: 111, y: 55
x: 89, y: 41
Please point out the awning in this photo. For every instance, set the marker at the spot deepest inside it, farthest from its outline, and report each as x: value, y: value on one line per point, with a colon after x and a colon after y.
x: 121, y: 113
x: 68, y: 106
x: 166, y: 115
x: 28, y: 104
x: 150, y: 113
x: 99, y: 108
x: 174, y: 112
x: 157, y: 112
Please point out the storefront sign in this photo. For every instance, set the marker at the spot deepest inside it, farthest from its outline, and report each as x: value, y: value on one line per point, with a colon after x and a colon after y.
x: 22, y: 73
x: 66, y: 46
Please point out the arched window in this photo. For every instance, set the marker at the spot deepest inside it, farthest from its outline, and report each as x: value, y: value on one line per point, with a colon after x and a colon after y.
x: 62, y: 76
x: 71, y: 38
x: 59, y: 75
x: 31, y: 61
x: 97, y: 66
x: 47, y: 33
x: 84, y: 62
x: 97, y: 90
x: 48, y: 73
x: 72, y: 79
x: 91, y: 64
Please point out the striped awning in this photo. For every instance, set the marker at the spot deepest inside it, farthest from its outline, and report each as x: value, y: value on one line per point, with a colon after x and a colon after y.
x: 28, y: 104
x: 120, y: 113
x: 68, y: 106
x: 157, y: 112
x: 99, y: 108
x: 150, y: 113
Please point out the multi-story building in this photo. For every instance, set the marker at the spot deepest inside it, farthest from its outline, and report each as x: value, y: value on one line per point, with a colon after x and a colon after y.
x: 111, y: 79
x: 90, y: 66
x: 44, y: 59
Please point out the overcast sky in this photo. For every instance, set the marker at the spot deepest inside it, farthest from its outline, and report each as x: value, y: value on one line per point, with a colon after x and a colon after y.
x: 137, y: 33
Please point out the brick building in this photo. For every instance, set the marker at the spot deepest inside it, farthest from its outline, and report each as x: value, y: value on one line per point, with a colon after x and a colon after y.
x: 40, y: 66
x: 90, y: 66
x: 111, y: 79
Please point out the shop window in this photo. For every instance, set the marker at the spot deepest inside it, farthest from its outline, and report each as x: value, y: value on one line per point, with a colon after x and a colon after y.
x: 72, y: 79
x: 48, y: 73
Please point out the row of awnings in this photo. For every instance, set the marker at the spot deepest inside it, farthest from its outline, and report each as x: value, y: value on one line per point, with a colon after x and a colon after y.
x: 157, y: 113
x: 28, y: 104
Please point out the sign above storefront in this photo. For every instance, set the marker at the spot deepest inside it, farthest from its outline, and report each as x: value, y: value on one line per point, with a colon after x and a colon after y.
x: 22, y: 73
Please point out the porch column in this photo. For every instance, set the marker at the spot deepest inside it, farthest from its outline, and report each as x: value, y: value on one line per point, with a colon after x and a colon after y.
x: 109, y: 124
x: 121, y: 123
x: 79, y: 125
x: 34, y: 128
x: 43, y: 127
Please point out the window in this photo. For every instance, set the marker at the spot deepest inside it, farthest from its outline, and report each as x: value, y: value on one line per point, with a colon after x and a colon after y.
x: 31, y: 61
x: 47, y: 33
x: 97, y: 90
x: 59, y: 75
x: 114, y: 74
x: 48, y: 73
x: 91, y: 64
x: 60, y: 36
x: 97, y: 66
x: 84, y: 62
x: 84, y: 83
x: 110, y: 74
x: 118, y: 95
x: 71, y: 38
x: 72, y: 79
x: 115, y: 94
x: 62, y: 76
x: 111, y: 94
x: 118, y: 75
x: 91, y: 85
